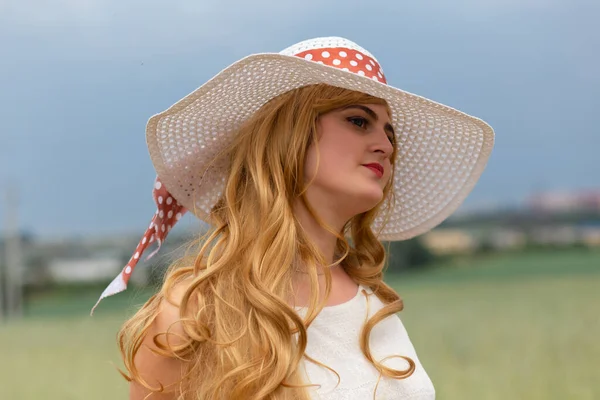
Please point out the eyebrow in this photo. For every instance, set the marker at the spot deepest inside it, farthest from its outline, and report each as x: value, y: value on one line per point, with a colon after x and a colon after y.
x: 388, y: 127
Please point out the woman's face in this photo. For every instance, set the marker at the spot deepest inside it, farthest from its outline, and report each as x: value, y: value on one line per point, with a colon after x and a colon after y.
x: 355, y: 145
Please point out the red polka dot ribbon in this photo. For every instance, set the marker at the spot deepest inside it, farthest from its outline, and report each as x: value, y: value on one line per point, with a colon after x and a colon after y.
x: 168, y: 212
x: 347, y: 60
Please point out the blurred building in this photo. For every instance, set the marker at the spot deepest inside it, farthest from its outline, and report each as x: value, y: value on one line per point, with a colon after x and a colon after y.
x: 565, y: 201
x: 449, y: 241
x: 84, y: 270
x: 590, y: 236
x: 507, y: 239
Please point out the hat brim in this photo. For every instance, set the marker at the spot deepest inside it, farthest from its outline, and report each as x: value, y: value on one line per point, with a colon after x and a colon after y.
x: 441, y: 151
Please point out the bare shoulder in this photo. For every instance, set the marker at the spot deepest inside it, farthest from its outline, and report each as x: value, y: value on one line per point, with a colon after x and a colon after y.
x: 157, y: 369
x: 168, y: 316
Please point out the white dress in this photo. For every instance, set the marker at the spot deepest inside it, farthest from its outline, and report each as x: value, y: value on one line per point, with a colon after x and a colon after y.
x: 333, y: 340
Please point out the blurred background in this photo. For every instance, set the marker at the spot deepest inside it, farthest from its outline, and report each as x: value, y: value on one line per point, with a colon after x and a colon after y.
x: 501, y: 301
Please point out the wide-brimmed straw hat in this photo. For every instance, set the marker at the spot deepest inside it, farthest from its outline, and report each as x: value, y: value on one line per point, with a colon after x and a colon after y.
x: 441, y: 152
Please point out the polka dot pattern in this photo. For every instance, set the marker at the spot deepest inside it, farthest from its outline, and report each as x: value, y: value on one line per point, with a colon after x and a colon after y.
x: 346, y: 59
x: 167, y: 214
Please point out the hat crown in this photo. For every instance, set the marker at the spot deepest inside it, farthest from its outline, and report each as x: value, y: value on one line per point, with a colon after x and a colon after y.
x: 333, y: 42
x: 339, y: 53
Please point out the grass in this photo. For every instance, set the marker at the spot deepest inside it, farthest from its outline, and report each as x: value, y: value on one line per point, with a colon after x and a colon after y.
x: 523, y: 326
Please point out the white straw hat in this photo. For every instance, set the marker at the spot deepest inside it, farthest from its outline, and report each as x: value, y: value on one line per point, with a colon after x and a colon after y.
x: 441, y: 151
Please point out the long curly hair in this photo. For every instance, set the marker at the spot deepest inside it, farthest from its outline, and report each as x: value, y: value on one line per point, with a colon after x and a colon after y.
x: 242, y: 337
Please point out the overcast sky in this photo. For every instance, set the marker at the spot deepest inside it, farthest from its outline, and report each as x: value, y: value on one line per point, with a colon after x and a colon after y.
x: 80, y: 78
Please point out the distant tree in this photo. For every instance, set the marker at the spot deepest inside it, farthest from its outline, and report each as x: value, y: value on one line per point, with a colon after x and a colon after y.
x: 485, y: 247
x: 408, y: 254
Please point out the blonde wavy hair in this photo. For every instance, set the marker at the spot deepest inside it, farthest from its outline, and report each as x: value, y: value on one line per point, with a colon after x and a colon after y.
x: 243, y: 340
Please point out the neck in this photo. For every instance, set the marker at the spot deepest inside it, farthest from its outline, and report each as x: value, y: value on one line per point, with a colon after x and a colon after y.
x: 324, y: 240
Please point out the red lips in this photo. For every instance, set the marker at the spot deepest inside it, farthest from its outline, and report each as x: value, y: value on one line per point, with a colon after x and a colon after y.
x: 375, y: 167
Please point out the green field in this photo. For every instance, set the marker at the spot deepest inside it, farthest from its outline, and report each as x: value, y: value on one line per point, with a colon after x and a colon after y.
x: 523, y: 326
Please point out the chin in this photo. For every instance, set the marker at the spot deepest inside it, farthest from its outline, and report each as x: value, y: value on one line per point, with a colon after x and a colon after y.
x: 367, y: 200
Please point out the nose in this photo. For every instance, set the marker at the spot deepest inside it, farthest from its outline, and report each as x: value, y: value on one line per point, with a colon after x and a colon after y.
x: 382, y: 144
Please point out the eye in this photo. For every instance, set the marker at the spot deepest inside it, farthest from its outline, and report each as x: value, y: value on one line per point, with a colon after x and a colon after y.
x: 361, y: 122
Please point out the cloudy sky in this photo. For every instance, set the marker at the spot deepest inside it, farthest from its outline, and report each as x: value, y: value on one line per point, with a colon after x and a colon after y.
x: 80, y: 78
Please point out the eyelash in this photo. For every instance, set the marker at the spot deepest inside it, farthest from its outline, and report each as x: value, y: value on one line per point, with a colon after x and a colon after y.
x: 366, y: 122
x: 354, y: 119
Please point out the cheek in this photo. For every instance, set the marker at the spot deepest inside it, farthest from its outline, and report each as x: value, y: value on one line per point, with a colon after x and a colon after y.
x: 324, y: 167
x: 334, y: 162
x: 339, y: 153
x: 340, y: 150
x: 310, y: 164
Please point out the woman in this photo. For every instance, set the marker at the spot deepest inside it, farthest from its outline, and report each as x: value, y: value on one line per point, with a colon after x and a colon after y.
x: 302, y: 162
